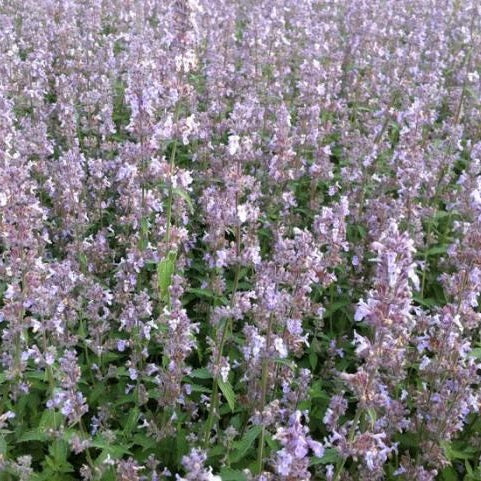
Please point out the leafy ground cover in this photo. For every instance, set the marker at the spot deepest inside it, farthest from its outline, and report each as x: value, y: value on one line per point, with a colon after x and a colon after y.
x: 240, y: 240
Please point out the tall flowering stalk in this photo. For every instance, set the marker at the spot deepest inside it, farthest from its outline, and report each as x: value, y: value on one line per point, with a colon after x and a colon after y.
x: 388, y: 312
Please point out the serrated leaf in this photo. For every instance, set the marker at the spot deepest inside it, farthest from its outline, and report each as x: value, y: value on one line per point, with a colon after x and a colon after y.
x: 316, y: 393
x: 144, y: 441
x: 199, y: 388
x: 242, y: 446
x: 201, y: 373
x: 284, y: 362
x: 131, y: 422
x: 59, y: 451
x: 200, y: 292
x: 37, y: 375
x: 228, y: 393
x: 165, y: 270
x: 114, y: 450
x: 33, y: 435
x: 50, y: 419
x: 453, y: 453
x: 96, y: 393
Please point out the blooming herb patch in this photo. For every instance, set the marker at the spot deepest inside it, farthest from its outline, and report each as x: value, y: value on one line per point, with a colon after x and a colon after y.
x: 240, y: 240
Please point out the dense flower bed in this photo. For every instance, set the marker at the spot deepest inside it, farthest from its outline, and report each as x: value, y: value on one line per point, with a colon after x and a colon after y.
x: 240, y: 240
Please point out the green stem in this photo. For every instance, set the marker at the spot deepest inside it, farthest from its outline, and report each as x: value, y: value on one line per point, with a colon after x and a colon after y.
x: 171, y: 186
x: 215, y: 388
x: 425, y: 261
x: 225, y: 329
x: 87, y: 451
x: 264, y: 380
x: 463, y: 92
x: 352, y: 431
x: 171, y: 192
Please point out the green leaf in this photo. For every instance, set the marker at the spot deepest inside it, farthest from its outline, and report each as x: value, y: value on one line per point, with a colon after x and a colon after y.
x: 200, y: 292
x: 317, y: 391
x: 408, y: 439
x: 59, y: 451
x: 433, y: 251
x: 199, y: 388
x: 472, y: 92
x: 131, y: 422
x: 202, y: 373
x: 36, y: 375
x: 331, y: 456
x: 371, y: 412
x: 335, y: 306
x: 145, y: 441
x: 144, y: 233
x: 271, y: 442
x: 232, y: 475
x: 362, y: 231
x: 113, y: 450
x: 182, y: 193
x: 449, y: 474
x: 96, y: 393
x: 427, y: 302
x: 242, y: 446
x: 440, y: 214
x: 83, y: 261
x: 218, y: 450
x: 33, y: 435
x: 165, y: 270
x: 228, y: 393
x: 181, y: 444
x: 109, y: 475
x: 284, y: 362
x: 452, y: 452
x: 50, y: 419
x: 313, y: 359
x: 476, y: 353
